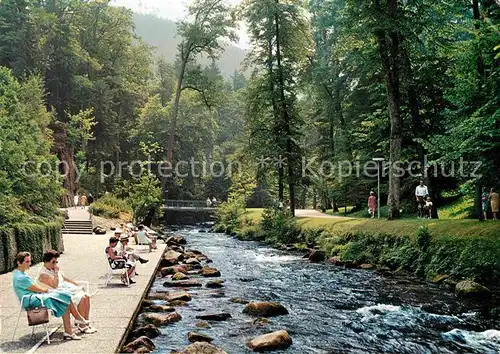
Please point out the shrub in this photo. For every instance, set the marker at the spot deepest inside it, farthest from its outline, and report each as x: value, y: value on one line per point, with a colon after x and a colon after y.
x: 229, y: 213
x: 110, y: 206
x: 279, y: 226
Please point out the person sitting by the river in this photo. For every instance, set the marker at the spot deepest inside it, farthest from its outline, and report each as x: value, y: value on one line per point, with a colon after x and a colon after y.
x: 428, y: 207
x: 117, y: 261
x: 123, y: 249
x: 143, y: 238
x: 51, y: 276
x: 59, y: 302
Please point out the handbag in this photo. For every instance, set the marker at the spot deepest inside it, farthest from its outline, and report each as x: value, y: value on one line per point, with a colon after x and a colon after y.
x: 37, y: 315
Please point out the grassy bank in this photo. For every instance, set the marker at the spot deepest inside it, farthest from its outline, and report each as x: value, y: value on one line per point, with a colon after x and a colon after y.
x: 459, y: 248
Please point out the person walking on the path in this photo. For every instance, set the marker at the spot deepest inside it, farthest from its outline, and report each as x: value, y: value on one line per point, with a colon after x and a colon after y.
x: 420, y: 193
x: 83, y: 201
x: 372, y: 204
x: 484, y: 205
x: 76, y: 198
x: 209, y: 202
x: 214, y: 202
x: 495, y: 202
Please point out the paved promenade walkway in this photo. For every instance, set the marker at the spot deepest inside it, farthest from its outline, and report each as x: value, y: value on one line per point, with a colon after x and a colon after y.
x: 112, y: 307
x: 311, y: 213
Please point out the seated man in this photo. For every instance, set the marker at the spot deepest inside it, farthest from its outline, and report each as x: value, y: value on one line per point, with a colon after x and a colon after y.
x: 117, y: 261
x: 143, y: 238
x: 124, y: 250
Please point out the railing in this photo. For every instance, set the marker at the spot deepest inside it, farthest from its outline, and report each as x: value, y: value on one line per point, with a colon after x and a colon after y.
x: 188, y: 204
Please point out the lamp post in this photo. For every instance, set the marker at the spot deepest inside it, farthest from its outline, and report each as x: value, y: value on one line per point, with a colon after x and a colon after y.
x: 378, y: 159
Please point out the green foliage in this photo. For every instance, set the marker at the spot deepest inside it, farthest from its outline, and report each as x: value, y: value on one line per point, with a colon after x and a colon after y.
x: 109, y: 206
x: 29, y: 182
x: 33, y: 238
x: 145, y: 194
x: 229, y: 213
x: 279, y: 226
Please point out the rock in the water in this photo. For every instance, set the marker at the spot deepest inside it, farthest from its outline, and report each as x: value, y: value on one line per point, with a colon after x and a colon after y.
x: 177, y: 303
x: 215, y: 317
x: 168, y: 262
x: 470, y: 289
x: 182, y: 284
x: 161, y: 320
x: 201, y: 348
x: 199, y: 337
x: 170, y: 296
x: 438, y: 279
x: 260, y: 321
x: 239, y: 300
x: 148, y: 330
x: 271, y: 341
x: 179, y: 295
x: 179, y: 276
x: 140, y: 345
x: 215, y: 284
x: 192, y: 261
x: 366, y: 266
x: 317, y: 256
x: 173, y: 270
x: 265, y: 309
x: 176, y: 239
x: 210, y: 272
x: 203, y: 324
x: 173, y: 255
x: 335, y: 261
x: 160, y: 308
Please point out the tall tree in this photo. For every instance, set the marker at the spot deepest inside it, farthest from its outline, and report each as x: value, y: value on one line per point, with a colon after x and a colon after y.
x: 208, y: 22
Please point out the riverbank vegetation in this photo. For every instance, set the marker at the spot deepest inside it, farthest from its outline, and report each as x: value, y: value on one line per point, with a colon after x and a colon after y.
x: 457, y: 248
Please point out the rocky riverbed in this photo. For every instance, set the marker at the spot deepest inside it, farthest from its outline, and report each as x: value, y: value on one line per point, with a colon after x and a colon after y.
x: 228, y: 296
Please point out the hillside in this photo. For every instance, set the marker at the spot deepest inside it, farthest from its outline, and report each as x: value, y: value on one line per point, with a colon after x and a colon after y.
x: 161, y: 33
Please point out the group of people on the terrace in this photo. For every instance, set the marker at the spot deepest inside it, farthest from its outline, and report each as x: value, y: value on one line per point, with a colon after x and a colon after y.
x: 65, y: 297
x: 60, y: 294
x: 121, y: 255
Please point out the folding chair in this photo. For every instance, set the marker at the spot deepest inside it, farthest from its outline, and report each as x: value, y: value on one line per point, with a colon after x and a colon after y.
x: 45, y: 325
x: 114, y: 272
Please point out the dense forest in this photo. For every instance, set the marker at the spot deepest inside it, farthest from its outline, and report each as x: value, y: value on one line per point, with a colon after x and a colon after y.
x: 87, y: 105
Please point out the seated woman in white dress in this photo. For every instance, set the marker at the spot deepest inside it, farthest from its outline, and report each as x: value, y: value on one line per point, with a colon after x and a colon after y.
x: 144, y: 239
x: 51, y: 276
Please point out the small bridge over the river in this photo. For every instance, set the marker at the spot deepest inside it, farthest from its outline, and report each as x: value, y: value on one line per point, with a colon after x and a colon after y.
x: 185, y: 205
x: 177, y: 212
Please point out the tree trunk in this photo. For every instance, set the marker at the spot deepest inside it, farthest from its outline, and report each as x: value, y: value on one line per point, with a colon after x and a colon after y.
x: 285, y: 117
x: 65, y: 152
x: 315, y: 200
x: 413, y: 102
x: 173, y: 123
x: 478, y: 207
x: 272, y: 89
x: 389, y: 53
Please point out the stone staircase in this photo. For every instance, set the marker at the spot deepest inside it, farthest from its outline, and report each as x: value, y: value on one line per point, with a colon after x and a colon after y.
x: 82, y: 227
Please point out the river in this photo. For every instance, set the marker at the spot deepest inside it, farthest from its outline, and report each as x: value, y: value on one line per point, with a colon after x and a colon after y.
x: 332, y: 309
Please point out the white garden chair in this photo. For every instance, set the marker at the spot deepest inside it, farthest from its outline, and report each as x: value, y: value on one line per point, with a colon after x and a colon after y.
x: 44, y: 325
x: 110, y: 273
